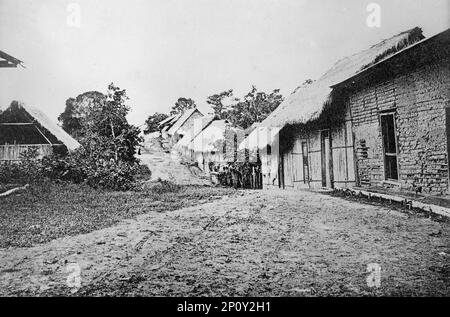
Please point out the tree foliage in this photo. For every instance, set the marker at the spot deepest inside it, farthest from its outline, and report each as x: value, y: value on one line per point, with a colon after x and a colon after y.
x: 182, y: 105
x: 76, y: 111
x: 254, y: 107
x: 217, y: 103
x: 153, y: 121
x: 106, y: 157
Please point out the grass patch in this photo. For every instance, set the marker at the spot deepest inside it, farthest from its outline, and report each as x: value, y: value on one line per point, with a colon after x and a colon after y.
x: 52, y: 210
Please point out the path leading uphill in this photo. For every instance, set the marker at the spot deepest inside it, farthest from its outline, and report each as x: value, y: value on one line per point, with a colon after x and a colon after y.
x: 168, y: 166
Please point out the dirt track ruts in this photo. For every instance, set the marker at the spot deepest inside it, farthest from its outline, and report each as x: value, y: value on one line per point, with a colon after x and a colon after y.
x: 258, y: 243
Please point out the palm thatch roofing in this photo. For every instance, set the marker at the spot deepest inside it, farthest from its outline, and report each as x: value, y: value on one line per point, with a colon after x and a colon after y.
x: 213, y: 137
x: 260, y: 137
x: 183, y: 118
x: 24, y: 124
x: 168, y: 122
x: 199, y: 125
x: 306, y: 103
x: 7, y: 60
x: 435, y: 47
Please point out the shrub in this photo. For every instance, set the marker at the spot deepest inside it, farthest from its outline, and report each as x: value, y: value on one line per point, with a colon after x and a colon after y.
x: 97, y: 172
x: 162, y: 187
x: 27, y: 170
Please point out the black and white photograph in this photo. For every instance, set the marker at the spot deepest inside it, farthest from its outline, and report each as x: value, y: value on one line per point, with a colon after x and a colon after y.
x: 241, y: 151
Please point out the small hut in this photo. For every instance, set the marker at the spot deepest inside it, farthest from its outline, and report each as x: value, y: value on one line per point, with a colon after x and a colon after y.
x: 182, y: 146
x: 23, y: 127
x: 216, y: 144
x: 183, y: 124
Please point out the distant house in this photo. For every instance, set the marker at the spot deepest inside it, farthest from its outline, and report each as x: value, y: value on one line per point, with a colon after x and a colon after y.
x: 182, y: 146
x: 166, y: 124
x: 378, y: 118
x: 183, y: 124
x: 23, y: 127
x: 216, y: 143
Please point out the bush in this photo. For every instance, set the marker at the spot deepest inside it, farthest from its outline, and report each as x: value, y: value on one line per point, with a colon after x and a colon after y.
x: 162, y: 187
x: 94, y: 171
x: 28, y: 170
x: 143, y: 172
x: 111, y: 174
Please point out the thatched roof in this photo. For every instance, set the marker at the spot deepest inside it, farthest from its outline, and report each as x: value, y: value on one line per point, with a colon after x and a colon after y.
x: 184, y: 117
x: 168, y: 122
x: 435, y: 47
x: 30, y: 115
x: 307, y: 102
x: 212, y: 137
x: 7, y: 60
x: 260, y: 137
x: 203, y: 122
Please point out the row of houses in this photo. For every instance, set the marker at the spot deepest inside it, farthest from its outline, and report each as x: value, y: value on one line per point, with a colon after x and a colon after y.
x: 379, y: 118
x: 201, y: 139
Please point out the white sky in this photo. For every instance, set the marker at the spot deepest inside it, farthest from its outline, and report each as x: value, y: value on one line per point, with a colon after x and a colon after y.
x: 160, y: 50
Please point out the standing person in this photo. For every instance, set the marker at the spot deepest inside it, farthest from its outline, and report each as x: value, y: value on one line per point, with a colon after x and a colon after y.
x: 235, y: 177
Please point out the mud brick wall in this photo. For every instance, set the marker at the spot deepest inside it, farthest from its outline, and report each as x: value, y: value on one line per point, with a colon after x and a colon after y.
x: 420, y: 98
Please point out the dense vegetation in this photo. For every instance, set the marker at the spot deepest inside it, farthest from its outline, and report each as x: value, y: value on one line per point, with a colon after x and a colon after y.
x: 106, y: 157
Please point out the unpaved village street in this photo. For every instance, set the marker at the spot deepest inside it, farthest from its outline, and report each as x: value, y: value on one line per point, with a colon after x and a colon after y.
x: 252, y: 243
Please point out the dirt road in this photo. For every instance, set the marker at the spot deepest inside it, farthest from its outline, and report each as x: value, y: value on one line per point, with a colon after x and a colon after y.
x: 167, y: 166
x: 260, y: 243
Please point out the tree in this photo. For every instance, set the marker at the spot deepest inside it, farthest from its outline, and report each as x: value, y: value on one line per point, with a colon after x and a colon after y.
x: 153, y: 121
x: 76, y: 112
x: 99, y: 121
x: 106, y: 157
x: 106, y: 120
x: 216, y: 102
x: 182, y: 105
x: 255, y: 107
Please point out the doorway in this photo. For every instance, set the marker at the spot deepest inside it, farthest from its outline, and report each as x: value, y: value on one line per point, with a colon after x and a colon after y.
x: 305, y: 162
x: 325, y: 144
x: 387, y: 121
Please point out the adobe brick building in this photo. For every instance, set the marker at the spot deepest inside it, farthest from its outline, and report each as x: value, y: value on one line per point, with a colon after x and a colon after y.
x: 399, y: 110
x: 377, y: 119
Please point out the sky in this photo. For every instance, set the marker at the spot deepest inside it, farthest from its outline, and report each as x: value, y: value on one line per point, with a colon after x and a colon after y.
x: 160, y: 50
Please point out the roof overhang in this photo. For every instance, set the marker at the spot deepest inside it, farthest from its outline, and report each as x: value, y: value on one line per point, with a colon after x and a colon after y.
x: 7, y: 60
x: 445, y: 35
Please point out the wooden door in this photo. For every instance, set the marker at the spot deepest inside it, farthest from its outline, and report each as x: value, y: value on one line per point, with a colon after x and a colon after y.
x: 342, y: 152
x: 388, y: 131
x: 326, y: 159
x: 288, y: 170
